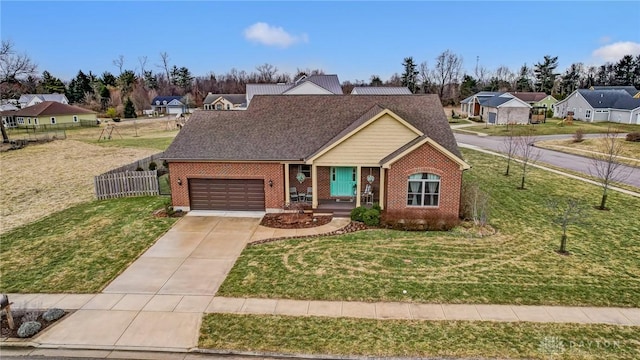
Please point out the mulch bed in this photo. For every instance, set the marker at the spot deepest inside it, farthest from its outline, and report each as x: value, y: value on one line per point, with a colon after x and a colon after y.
x: 163, y: 213
x: 294, y: 220
x: 17, y: 319
x: 351, y: 227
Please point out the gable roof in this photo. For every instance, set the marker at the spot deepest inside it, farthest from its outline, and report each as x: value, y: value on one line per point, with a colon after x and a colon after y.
x: 168, y: 99
x: 414, y: 144
x: 26, y: 98
x: 629, y: 89
x: 626, y: 103
x: 381, y: 90
x: 327, y: 82
x: 482, y: 96
x: 8, y: 107
x: 266, y: 89
x: 51, y: 108
x: 530, y: 96
x: 603, y: 98
x: 232, y: 98
x: 499, y: 101
x: 294, y: 127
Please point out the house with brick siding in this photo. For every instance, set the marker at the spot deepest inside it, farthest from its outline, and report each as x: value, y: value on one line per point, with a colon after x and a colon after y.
x: 334, y: 147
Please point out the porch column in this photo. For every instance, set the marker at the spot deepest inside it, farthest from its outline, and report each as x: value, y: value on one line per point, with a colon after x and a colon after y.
x: 381, y: 193
x: 287, y: 196
x: 358, y: 187
x: 314, y: 185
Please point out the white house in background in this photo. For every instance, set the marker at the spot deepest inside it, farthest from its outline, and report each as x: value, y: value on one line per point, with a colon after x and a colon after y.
x: 505, y: 109
x: 473, y: 103
x: 169, y: 105
x: 381, y: 90
x: 305, y: 85
x: 615, y: 105
x: 27, y: 100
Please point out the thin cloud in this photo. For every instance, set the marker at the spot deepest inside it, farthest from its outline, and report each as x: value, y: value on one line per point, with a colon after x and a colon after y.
x: 614, y: 52
x: 604, y: 39
x: 266, y: 34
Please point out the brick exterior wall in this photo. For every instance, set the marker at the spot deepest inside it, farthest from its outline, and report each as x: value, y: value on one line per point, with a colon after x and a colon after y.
x: 375, y: 185
x: 274, y: 196
x: 430, y: 160
x: 293, y: 182
x: 324, y: 185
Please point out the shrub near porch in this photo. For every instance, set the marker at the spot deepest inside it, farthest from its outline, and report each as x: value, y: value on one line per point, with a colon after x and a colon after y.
x: 518, y: 265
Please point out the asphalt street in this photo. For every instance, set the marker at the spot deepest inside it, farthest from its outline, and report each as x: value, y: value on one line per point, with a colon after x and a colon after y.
x: 576, y: 163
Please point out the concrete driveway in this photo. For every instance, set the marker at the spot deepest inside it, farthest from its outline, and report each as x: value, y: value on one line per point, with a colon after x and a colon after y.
x: 193, y: 258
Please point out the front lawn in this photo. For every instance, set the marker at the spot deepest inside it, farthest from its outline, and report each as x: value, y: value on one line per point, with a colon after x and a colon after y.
x: 553, y: 126
x: 410, y: 338
x: 518, y: 265
x: 159, y: 143
x: 80, y: 249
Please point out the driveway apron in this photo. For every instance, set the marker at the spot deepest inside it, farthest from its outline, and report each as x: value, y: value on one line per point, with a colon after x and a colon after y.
x: 158, y: 301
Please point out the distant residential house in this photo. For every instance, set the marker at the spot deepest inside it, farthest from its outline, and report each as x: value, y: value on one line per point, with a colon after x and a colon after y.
x: 615, y: 105
x: 381, y: 90
x: 168, y: 105
x: 497, y: 108
x: 8, y: 120
x: 49, y: 113
x: 305, y: 85
x: 630, y: 89
x: 224, y: 101
x: 536, y: 99
x: 27, y: 100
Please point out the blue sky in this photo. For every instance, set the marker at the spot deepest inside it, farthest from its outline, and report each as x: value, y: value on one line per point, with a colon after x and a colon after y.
x: 353, y: 39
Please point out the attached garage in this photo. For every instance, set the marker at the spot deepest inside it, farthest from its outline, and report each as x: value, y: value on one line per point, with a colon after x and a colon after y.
x: 227, y: 194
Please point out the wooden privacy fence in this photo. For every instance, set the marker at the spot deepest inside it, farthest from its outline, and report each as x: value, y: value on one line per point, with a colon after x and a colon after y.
x: 128, y: 183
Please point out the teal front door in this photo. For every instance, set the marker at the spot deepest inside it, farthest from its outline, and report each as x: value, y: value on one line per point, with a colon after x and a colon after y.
x: 343, y: 181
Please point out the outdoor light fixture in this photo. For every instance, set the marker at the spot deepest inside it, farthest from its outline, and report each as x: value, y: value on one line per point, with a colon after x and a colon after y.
x: 179, y: 181
x: 270, y: 183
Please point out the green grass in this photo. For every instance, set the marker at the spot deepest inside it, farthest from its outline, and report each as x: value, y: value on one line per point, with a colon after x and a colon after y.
x: 80, y: 249
x: 518, y: 265
x: 163, y: 184
x: 552, y: 127
x: 407, y: 338
x: 160, y: 143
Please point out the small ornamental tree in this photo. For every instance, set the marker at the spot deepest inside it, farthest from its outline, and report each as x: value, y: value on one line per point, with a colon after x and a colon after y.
x: 509, y: 147
x: 129, y: 109
x: 566, y: 213
x: 528, y: 153
x: 605, y: 167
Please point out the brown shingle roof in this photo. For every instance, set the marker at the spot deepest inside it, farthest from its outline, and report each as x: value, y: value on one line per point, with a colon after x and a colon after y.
x: 293, y: 127
x: 51, y: 108
x: 529, y: 96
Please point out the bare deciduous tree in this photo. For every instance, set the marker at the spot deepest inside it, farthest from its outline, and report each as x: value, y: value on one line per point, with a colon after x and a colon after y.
x: 566, y: 213
x: 266, y: 72
x: 13, y: 67
x: 424, y: 75
x: 527, y: 152
x: 447, y: 70
x: 119, y: 63
x: 509, y: 147
x: 143, y: 63
x: 604, y: 166
x: 164, y: 57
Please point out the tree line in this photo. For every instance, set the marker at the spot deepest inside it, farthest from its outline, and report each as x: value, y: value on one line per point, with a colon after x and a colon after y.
x: 138, y: 81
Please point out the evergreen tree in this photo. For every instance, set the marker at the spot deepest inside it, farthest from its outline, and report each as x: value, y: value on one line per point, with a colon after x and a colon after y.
x: 410, y: 74
x: 51, y: 84
x: 624, y: 71
x: 129, y: 109
x: 524, y: 83
x: 108, y: 79
x: 468, y: 87
x: 544, y: 74
x: 375, y: 81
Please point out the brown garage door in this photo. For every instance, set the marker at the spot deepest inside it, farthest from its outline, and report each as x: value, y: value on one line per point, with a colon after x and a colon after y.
x: 226, y: 194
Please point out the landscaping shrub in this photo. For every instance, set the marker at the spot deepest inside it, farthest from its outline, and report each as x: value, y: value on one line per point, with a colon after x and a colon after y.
x: 139, y: 168
x: 633, y: 136
x: 578, y: 136
x: 28, y: 329
x: 152, y: 166
x: 410, y: 221
x: 168, y: 208
x: 371, y: 217
x: 53, y: 314
x: 549, y: 114
x: 357, y: 213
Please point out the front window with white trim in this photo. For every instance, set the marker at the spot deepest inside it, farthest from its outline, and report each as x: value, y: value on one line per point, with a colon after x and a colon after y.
x: 53, y: 120
x: 587, y: 114
x: 75, y: 118
x: 423, y: 190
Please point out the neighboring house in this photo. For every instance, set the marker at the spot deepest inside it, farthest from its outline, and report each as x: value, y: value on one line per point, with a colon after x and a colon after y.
x: 505, y: 109
x: 224, y: 101
x: 536, y: 99
x: 497, y: 108
x: 169, y: 105
x: 8, y: 120
x: 305, y: 85
x: 27, y: 100
x: 472, y: 105
x: 615, y: 105
x: 402, y: 146
x: 48, y: 113
x: 630, y: 89
x: 381, y: 90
